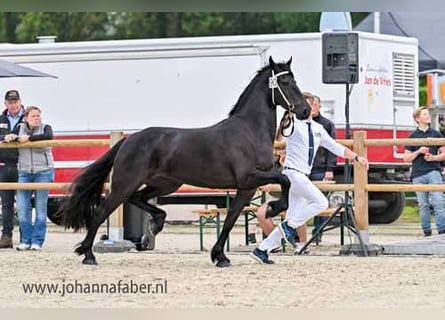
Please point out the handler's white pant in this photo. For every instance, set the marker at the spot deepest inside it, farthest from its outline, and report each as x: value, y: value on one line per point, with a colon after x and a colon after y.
x: 305, y: 201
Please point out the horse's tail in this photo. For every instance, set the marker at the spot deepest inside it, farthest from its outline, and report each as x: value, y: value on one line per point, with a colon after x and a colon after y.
x: 77, y: 210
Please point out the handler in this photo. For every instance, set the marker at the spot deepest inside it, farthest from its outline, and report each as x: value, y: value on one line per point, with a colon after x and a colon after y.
x: 305, y: 199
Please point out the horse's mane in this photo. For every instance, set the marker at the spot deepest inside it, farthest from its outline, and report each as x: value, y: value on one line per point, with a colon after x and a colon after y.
x: 250, y: 87
x: 248, y: 90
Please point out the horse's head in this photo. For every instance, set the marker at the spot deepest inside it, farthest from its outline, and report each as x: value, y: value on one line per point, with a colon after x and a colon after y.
x: 285, y: 91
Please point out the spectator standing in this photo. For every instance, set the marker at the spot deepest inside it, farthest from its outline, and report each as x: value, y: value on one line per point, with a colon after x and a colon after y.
x: 34, y: 165
x: 9, y: 120
x: 426, y: 169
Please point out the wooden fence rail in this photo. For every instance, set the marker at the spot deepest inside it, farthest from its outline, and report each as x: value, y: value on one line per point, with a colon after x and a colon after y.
x: 360, y: 187
x: 328, y: 187
x: 58, y: 143
x: 405, y: 142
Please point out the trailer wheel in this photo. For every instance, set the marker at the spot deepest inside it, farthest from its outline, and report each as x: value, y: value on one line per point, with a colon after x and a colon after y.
x: 390, y: 211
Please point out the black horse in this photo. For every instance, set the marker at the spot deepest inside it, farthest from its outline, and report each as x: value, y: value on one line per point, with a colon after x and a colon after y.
x: 236, y: 153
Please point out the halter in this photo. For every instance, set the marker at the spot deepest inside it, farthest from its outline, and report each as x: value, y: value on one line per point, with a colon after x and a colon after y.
x: 273, y: 84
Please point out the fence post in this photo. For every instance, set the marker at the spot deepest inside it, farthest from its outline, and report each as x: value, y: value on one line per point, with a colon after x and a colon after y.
x: 115, y: 241
x: 116, y: 219
x: 360, y: 182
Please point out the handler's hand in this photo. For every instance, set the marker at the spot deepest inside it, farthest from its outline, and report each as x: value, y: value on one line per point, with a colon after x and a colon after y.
x: 266, y: 188
x: 363, y: 161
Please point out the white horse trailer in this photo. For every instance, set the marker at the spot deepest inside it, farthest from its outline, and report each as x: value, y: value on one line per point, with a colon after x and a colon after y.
x: 127, y: 85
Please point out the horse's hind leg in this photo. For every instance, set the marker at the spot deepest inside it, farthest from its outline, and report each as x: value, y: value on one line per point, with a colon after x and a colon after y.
x: 152, y: 226
x: 102, y: 212
x: 157, y: 214
x: 141, y: 198
x: 241, y: 199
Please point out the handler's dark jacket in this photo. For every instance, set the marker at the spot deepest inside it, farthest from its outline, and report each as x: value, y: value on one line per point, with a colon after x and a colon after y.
x: 324, y: 159
x: 8, y: 156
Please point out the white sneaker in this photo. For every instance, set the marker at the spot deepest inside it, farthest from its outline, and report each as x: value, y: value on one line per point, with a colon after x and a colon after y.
x: 299, y: 247
x: 36, y: 247
x: 23, y: 247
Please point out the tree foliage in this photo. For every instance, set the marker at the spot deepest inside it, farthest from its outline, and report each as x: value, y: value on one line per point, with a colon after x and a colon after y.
x: 67, y: 26
x: 77, y: 26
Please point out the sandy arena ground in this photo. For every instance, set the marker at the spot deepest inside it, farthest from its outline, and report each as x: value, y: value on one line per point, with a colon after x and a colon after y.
x: 322, y: 279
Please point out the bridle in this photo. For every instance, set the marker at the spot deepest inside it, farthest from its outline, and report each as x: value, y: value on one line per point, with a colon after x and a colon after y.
x: 273, y: 84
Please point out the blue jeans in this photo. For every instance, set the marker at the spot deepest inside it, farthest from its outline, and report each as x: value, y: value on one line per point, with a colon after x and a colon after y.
x: 318, y: 221
x: 33, y: 233
x: 8, y: 173
x: 435, y: 199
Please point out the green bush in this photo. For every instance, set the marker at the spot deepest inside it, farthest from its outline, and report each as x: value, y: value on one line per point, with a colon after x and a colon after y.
x: 422, y: 96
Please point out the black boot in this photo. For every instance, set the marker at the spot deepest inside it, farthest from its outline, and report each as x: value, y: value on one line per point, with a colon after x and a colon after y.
x: 6, y: 241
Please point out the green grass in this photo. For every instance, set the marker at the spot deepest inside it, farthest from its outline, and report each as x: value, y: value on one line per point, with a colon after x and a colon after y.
x: 410, y: 214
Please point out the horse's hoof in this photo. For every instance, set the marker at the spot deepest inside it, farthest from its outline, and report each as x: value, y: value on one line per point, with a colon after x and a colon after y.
x: 223, y: 264
x: 213, y: 257
x: 148, y: 241
x: 91, y: 262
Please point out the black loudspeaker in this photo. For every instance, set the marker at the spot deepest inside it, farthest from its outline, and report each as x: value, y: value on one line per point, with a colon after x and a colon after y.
x: 340, y: 57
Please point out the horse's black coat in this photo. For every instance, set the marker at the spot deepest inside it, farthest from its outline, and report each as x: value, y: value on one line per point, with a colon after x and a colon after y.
x: 234, y: 153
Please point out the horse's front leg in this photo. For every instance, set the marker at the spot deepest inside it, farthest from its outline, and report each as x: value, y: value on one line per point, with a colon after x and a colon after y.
x: 281, y: 204
x: 260, y: 178
x: 242, y: 198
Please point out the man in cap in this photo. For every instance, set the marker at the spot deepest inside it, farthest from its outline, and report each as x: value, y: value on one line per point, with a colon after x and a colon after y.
x: 9, y: 119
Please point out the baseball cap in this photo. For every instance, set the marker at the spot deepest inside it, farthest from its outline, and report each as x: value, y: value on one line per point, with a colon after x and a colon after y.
x: 12, y: 95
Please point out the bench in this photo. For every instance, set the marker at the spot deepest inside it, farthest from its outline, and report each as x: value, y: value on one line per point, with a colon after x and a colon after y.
x: 329, y: 211
x: 213, y: 216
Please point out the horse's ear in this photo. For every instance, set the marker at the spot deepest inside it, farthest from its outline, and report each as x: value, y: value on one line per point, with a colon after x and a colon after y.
x: 289, y: 62
x: 271, y: 62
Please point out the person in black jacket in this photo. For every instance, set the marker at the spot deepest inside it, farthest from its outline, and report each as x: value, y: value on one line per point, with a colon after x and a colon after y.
x: 9, y: 120
x: 325, y: 161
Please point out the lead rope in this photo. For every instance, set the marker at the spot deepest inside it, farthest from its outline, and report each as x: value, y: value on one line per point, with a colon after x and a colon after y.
x: 286, y: 121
